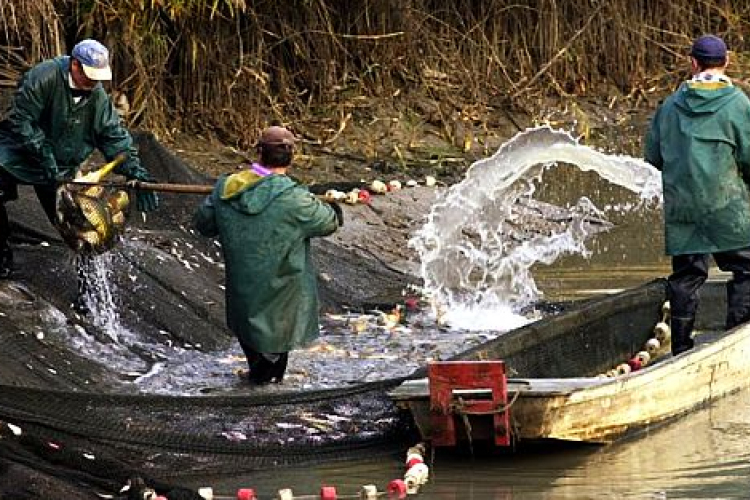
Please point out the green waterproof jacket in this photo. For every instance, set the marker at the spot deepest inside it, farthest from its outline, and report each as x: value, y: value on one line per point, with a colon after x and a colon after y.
x: 47, y: 135
x: 700, y: 139
x: 264, y: 225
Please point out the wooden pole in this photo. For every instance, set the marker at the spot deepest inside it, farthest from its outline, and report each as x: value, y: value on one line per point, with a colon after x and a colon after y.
x: 150, y: 186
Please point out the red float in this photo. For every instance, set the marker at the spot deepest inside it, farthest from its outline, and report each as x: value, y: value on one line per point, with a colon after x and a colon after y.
x: 246, y: 494
x: 364, y: 196
x: 328, y: 493
x: 411, y: 303
x: 397, y: 489
x: 635, y: 364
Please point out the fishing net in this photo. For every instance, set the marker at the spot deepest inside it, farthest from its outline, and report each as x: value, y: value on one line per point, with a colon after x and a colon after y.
x: 71, y: 393
x: 74, y: 424
x: 114, y: 437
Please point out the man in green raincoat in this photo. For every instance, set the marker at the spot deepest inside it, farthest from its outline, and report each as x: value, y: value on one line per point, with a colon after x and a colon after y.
x: 700, y: 139
x: 264, y: 221
x: 59, y: 114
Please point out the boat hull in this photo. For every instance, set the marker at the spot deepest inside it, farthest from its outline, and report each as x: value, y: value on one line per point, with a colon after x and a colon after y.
x: 599, y: 409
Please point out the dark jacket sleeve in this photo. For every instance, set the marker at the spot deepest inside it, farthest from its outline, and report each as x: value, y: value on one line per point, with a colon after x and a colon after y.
x: 204, y: 219
x: 113, y: 138
x: 314, y: 217
x: 652, y: 146
x: 29, y: 101
x: 742, y: 141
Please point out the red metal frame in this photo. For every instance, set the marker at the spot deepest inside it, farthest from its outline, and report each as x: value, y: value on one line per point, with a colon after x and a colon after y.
x: 447, y: 376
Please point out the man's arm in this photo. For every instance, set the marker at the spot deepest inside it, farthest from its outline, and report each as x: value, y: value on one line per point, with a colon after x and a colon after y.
x: 112, y: 139
x: 652, y: 146
x: 204, y: 219
x: 742, y: 141
x: 26, y: 110
x: 315, y: 217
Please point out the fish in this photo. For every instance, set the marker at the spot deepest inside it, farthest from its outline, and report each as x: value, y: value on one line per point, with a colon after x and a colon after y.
x: 89, y: 217
x: 90, y: 220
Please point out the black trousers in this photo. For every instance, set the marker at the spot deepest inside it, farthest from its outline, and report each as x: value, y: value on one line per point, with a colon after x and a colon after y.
x: 46, y: 194
x: 264, y: 367
x: 689, y: 272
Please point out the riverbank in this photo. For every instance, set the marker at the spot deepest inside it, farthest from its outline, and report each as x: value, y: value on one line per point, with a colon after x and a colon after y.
x: 381, y: 141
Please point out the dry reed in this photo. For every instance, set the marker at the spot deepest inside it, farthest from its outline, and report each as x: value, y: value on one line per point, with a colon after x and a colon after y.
x: 228, y: 67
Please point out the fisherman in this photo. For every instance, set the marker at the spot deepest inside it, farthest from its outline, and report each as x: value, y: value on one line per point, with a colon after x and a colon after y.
x: 264, y: 221
x: 700, y: 139
x: 59, y: 114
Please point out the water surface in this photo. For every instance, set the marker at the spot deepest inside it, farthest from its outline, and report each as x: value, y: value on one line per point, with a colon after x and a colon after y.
x: 701, y: 455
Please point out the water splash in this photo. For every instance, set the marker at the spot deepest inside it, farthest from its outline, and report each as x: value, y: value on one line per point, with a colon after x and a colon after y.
x: 100, y: 292
x: 484, y: 235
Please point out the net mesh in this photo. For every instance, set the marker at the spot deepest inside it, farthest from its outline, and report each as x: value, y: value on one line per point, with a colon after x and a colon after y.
x: 73, y: 424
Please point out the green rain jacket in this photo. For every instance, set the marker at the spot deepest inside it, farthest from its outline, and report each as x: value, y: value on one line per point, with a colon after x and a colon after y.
x: 700, y: 139
x: 47, y: 135
x: 264, y: 225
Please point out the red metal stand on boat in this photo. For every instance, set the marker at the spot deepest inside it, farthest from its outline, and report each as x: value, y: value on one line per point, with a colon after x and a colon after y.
x: 455, y: 387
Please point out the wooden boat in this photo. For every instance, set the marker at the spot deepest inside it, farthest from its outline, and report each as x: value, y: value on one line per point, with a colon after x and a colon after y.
x: 557, y: 387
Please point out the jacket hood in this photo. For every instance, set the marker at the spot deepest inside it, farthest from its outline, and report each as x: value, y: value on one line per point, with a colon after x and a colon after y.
x: 697, y: 97
x: 250, y: 192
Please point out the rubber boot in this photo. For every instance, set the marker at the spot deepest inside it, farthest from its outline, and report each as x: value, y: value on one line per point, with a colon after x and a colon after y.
x: 738, y: 300
x: 261, y: 370
x: 682, y: 328
x: 279, y: 367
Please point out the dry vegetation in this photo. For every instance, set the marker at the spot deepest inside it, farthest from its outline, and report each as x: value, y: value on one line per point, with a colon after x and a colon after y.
x: 388, y: 68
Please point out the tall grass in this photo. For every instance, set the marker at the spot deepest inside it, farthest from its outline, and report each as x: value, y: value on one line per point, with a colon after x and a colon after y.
x: 227, y: 67
x: 30, y: 30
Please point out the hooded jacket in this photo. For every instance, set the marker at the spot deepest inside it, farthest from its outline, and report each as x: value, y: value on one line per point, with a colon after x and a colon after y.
x: 264, y: 225
x: 700, y: 139
x: 47, y: 135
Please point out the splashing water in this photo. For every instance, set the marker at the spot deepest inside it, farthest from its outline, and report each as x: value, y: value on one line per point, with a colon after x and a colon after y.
x: 100, y: 295
x: 483, y: 236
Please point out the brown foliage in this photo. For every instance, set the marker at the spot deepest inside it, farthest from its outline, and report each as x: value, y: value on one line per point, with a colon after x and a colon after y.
x: 229, y: 67
x: 30, y: 30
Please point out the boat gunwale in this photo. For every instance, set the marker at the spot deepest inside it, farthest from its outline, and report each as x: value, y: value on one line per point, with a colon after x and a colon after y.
x: 701, y: 352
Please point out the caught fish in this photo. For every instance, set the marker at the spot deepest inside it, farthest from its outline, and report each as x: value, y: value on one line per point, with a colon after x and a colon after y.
x: 90, y: 218
x: 90, y: 224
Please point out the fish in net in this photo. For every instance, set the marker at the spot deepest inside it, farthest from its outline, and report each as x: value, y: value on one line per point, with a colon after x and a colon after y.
x: 89, y: 216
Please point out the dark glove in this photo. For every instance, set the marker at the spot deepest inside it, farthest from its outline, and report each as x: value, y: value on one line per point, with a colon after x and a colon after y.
x: 145, y: 201
x: 52, y: 173
x: 339, y: 213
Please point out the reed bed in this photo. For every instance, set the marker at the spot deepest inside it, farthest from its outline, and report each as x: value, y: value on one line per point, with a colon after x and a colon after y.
x: 228, y: 67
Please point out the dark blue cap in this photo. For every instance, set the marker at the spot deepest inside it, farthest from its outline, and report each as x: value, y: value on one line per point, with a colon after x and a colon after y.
x: 709, y: 47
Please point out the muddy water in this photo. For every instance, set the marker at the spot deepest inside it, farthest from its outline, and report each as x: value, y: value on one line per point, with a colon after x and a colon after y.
x: 702, y: 455
x: 629, y: 254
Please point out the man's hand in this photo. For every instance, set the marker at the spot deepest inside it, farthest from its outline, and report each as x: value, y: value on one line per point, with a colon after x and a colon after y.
x: 145, y: 201
x: 339, y: 213
x: 52, y: 173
